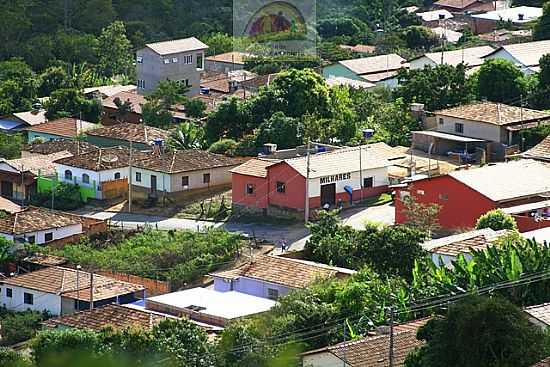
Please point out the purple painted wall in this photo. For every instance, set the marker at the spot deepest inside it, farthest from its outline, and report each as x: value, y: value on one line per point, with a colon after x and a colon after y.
x: 254, y: 287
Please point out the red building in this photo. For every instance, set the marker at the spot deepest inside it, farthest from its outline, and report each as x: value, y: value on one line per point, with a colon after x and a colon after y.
x: 278, y: 187
x: 520, y: 188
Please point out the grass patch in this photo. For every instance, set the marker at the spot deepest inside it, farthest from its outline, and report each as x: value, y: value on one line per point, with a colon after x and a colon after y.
x: 214, y: 208
x: 384, y: 198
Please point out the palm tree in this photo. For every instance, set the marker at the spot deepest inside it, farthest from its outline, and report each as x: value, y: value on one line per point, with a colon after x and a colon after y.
x: 187, y: 136
x: 123, y: 108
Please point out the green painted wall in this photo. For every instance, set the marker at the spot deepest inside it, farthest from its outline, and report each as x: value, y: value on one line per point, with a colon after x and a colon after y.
x: 45, y: 184
x: 339, y: 70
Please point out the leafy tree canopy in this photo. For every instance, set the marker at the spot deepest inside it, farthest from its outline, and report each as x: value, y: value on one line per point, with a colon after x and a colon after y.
x: 496, y: 220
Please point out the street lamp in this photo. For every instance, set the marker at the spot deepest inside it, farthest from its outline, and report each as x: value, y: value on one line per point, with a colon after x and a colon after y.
x: 367, y: 134
x: 78, y: 267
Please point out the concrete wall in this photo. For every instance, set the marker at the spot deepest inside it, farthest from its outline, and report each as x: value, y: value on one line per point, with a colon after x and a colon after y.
x: 95, y: 177
x: 503, y: 54
x: 421, y: 62
x: 153, y: 70
x: 250, y: 286
x: 322, y: 359
x: 473, y: 129
x: 40, y: 236
x: 222, y: 67
x: 42, y: 301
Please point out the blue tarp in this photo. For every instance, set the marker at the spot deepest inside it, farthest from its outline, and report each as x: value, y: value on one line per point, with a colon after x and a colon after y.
x: 9, y: 124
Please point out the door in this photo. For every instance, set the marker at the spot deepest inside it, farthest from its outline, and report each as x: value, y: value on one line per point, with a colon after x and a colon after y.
x: 153, y: 183
x: 7, y: 189
x: 328, y: 194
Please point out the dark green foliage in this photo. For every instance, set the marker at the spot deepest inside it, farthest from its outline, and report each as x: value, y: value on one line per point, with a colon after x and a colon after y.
x: 224, y: 146
x: 496, y: 220
x: 437, y: 87
x: 418, y: 37
x: 500, y: 80
x: 187, y: 135
x: 185, y: 255
x: 52, y: 79
x: 195, y: 108
x: 229, y: 120
x: 353, y: 29
x: 280, y: 130
x: 10, y: 145
x: 388, y: 250
x: 65, y: 197
x: 19, y: 326
x: 273, y: 64
x: 17, y: 86
x: 11, y: 358
x: 481, y: 332
x: 541, y: 30
x: 72, y: 103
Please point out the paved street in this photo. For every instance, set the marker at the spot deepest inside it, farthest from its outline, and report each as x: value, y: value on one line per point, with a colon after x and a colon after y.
x: 295, y: 235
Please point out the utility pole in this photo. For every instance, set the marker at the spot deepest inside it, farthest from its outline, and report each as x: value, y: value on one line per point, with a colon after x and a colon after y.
x: 360, y: 171
x: 130, y: 180
x: 306, y: 214
x: 78, y: 267
x: 91, y: 289
x: 344, y: 345
x: 22, y: 186
x: 391, y: 336
x: 522, y: 142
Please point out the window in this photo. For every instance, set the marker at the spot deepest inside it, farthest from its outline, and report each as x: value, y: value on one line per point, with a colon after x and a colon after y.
x: 441, y: 121
x: 166, y: 61
x: 139, y: 60
x: 174, y: 60
x: 31, y: 239
x: 272, y: 294
x: 85, y: 178
x: 281, y: 187
x: 368, y: 182
x: 117, y: 176
x: 28, y: 298
x: 138, y: 176
x: 199, y: 61
x: 141, y: 84
x: 188, y: 59
x: 48, y: 237
x: 443, y: 197
x: 459, y: 128
x: 250, y: 188
x: 9, y: 293
x: 185, y: 181
x: 206, y: 178
x: 68, y: 175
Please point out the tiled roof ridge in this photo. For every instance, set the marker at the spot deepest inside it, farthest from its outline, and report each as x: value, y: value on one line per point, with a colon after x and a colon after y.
x: 537, y: 306
x: 369, y: 339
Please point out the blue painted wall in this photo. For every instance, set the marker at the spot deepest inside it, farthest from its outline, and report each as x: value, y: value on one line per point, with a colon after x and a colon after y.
x: 338, y: 70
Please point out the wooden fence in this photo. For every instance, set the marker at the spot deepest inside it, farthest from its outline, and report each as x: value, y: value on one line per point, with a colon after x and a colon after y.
x: 153, y: 287
x: 114, y: 189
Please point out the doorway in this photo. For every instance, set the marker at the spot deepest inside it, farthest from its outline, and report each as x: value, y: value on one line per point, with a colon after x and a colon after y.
x: 6, y: 189
x: 153, y: 183
x: 328, y: 194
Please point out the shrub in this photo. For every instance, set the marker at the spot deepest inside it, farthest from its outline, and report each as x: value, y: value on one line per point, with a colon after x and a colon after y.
x: 496, y: 220
x: 224, y: 146
x: 66, y: 197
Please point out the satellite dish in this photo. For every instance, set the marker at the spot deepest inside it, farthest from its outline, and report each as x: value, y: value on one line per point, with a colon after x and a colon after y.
x: 109, y: 158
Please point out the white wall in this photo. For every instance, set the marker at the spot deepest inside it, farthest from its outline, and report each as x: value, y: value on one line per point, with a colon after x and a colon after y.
x: 421, y: 62
x: 58, y: 233
x: 505, y: 55
x: 97, y: 177
x: 42, y: 301
x: 322, y: 359
x: 380, y: 179
x: 472, y: 129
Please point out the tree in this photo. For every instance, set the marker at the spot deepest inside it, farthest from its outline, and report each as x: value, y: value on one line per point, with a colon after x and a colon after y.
x: 218, y: 43
x: 154, y: 114
x: 11, y: 358
x: 230, y: 120
x: 496, y: 220
x: 52, y: 79
x: 169, y: 93
x: 194, y: 108
x: 10, y: 145
x: 224, y: 146
x: 72, y: 102
x: 419, y: 37
x: 438, y: 87
x: 484, y: 332
x: 6, y: 247
x: 393, y: 122
x: 114, y: 51
x: 187, y: 136
x: 18, y: 86
x: 541, y: 30
x: 422, y: 216
x: 280, y: 130
x: 123, y: 108
x: 540, y: 96
x: 500, y: 80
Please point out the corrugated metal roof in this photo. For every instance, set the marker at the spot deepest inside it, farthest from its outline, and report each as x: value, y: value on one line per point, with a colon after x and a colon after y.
x: 528, y: 53
x: 177, y: 46
x: 374, y: 64
x: 472, y: 56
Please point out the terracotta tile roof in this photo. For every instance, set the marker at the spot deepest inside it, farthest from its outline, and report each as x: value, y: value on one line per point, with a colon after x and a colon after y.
x: 494, y: 113
x: 456, y: 4
x: 62, y: 281
x: 363, y: 49
x: 463, y: 243
x: 9, y: 206
x: 540, y: 312
x: 66, y: 127
x: 110, y: 90
x: 373, y: 351
x: 234, y: 57
x: 184, y: 161
x: 541, y: 151
x: 254, y: 167
x: 259, y: 81
x: 111, y: 315
x: 101, y: 159
x: 544, y: 363
x: 177, y: 46
x: 56, y: 146
x: 137, y: 101
x: 136, y: 133
x: 46, y: 260
x: 38, y: 164
x: 33, y: 219
x: 279, y: 270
